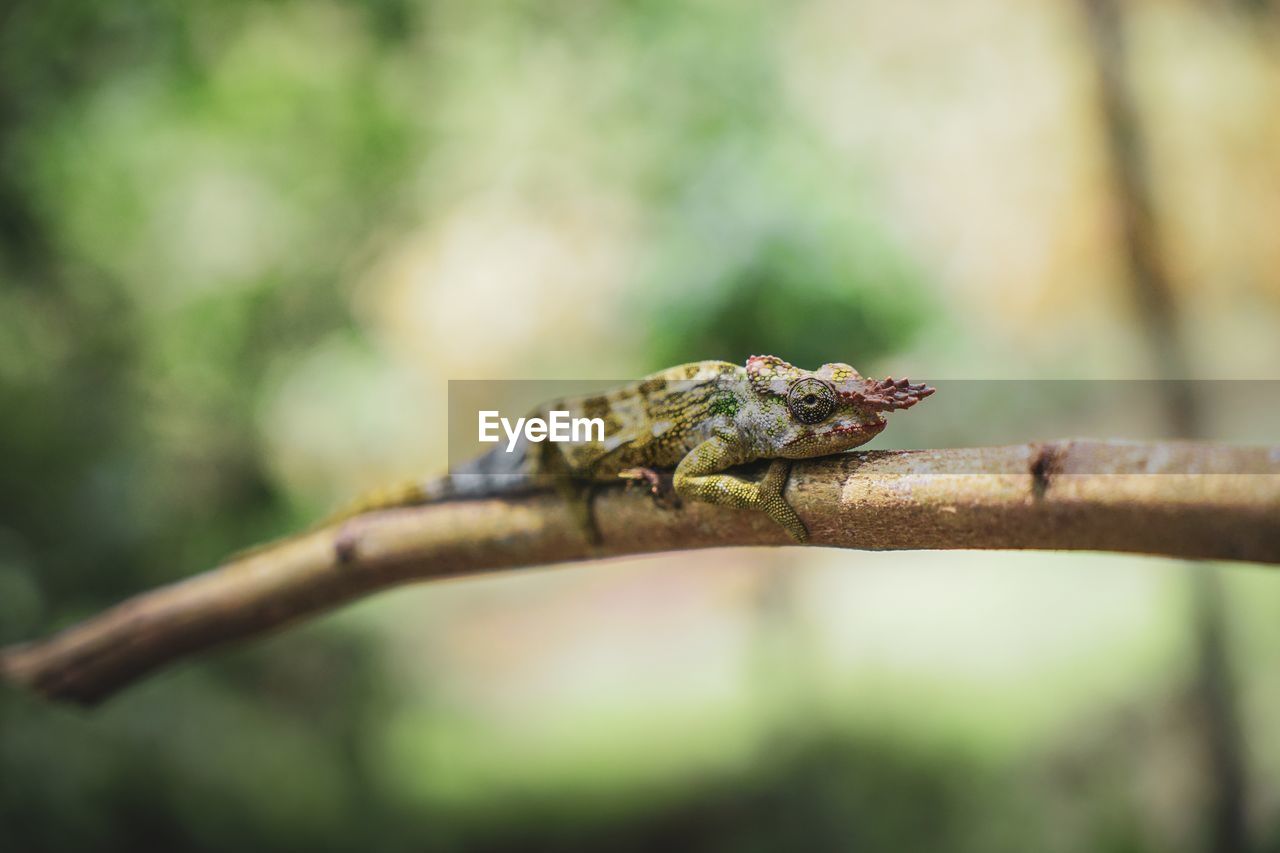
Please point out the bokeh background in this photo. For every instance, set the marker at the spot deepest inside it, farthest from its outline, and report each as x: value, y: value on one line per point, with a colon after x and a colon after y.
x: 244, y: 246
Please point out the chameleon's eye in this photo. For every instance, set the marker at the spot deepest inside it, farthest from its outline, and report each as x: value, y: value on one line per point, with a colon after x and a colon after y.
x: 811, y: 400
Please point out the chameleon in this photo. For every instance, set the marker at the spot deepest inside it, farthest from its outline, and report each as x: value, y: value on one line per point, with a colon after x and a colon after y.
x: 700, y: 419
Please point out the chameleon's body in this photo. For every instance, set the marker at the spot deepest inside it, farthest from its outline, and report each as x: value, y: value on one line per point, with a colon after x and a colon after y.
x: 700, y: 419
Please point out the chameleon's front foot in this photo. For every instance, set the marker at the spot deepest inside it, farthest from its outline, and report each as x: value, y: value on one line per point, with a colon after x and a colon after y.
x: 775, y: 505
x: 728, y: 490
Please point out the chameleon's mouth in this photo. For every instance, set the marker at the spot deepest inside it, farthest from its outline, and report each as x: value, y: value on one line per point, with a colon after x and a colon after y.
x: 856, y: 429
x: 843, y: 431
x: 859, y: 428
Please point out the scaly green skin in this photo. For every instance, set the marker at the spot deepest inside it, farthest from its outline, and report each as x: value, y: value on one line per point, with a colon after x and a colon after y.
x: 701, y: 419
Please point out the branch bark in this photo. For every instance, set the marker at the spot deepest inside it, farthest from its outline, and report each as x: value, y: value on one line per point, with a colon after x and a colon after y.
x: 1178, y: 499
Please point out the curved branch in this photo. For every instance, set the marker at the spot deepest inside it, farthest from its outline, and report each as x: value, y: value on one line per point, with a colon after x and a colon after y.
x: 1177, y: 499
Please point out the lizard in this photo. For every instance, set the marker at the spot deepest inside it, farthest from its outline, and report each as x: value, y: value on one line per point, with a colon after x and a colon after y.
x: 700, y: 419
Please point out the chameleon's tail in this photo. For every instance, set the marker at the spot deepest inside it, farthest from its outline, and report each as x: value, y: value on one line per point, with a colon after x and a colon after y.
x: 401, y: 494
x: 494, y: 474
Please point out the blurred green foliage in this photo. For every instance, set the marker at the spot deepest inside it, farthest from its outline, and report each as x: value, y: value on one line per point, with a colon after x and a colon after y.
x: 129, y: 390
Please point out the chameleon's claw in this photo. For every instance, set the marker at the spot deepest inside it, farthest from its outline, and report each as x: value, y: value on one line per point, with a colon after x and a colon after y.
x: 661, y: 497
x: 635, y: 475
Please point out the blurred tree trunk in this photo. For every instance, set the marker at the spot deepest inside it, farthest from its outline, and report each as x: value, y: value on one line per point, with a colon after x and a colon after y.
x: 1157, y: 311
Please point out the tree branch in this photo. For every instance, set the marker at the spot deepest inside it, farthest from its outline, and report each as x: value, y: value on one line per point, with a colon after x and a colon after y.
x: 1177, y: 499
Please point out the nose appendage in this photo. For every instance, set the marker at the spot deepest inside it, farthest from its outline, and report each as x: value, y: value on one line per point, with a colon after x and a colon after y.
x: 890, y: 394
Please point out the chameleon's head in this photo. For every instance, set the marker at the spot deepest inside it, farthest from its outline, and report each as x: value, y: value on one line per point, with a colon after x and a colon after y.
x: 816, y: 413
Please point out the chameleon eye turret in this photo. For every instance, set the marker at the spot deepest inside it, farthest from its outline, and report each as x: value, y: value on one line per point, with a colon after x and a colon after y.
x: 811, y: 400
